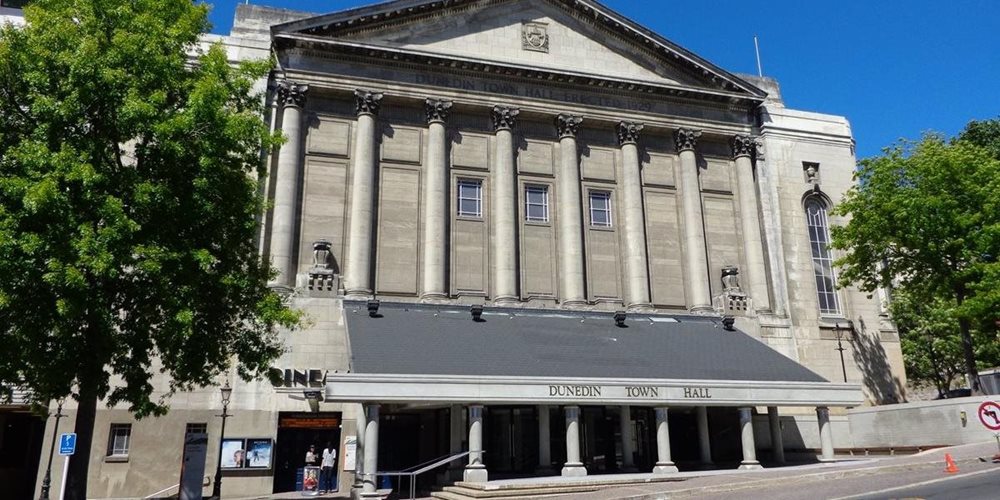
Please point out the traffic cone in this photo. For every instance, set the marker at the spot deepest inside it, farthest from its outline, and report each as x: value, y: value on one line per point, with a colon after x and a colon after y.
x: 951, y: 467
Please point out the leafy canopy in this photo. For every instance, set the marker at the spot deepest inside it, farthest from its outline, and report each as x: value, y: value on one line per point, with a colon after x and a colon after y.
x: 129, y: 205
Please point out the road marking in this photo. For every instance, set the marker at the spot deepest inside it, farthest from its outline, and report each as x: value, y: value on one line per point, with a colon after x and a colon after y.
x: 917, y: 485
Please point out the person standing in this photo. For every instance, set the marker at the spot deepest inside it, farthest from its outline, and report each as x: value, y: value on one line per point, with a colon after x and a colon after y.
x: 329, y: 469
x: 311, y: 457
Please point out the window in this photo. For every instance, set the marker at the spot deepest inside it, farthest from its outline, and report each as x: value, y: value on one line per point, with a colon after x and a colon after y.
x: 536, y: 203
x: 819, y: 242
x: 196, y: 429
x: 600, y: 208
x: 119, y: 439
x: 470, y: 198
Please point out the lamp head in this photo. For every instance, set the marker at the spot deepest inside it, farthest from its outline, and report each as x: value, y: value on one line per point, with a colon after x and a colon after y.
x: 227, y: 393
x: 620, y: 319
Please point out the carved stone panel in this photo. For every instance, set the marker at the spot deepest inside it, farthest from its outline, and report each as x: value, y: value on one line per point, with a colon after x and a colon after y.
x: 329, y: 136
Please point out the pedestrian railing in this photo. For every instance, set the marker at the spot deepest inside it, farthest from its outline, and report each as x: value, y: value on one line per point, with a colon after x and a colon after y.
x: 418, y: 469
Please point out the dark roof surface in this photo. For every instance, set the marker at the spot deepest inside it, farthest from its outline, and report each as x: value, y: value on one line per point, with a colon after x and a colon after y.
x: 442, y: 340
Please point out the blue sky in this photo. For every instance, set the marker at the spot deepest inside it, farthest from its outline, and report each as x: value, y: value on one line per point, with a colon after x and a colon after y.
x: 895, y: 68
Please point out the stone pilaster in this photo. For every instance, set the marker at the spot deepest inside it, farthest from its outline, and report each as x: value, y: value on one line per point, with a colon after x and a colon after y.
x: 636, y: 259
x: 695, y: 251
x: 436, y: 196
x: 363, y: 164
x: 753, y: 245
x: 571, y: 264
x: 504, y: 201
x: 292, y: 97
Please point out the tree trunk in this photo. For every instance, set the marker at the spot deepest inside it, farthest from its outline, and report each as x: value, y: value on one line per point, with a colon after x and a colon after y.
x: 79, y: 463
x: 965, y: 327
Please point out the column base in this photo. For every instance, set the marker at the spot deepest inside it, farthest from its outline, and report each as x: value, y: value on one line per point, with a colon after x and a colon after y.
x: 434, y: 298
x: 573, y: 469
x: 750, y: 465
x: 665, y: 468
x: 357, y: 294
x: 640, y: 308
x: 506, y: 300
x: 574, y: 304
x: 826, y: 460
x: 476, y: 474
x: 702, y: 310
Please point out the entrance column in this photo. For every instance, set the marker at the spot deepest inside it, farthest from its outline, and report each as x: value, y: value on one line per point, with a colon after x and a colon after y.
x: 476, y: 472
x: 777, y: 443
x: 370, y: 484
x: 544, y: 441
x: 357, y: 282
x: 573, y: 467
x: 572, y: 292
x: 746, y: 434
x: 825, y: 432
x: 704, y: 438
x: 695, y: 253
x: 286, y: 184
x: 636, y: 259
x: 436, y: 194
x: 753, y: 247
x: 359, y: 458
x: 664, y: 464
x: 628, y: 451
x: 504, y: 214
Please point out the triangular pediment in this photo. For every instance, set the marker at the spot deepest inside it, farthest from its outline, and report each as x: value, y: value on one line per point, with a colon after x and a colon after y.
x: 581, y: 37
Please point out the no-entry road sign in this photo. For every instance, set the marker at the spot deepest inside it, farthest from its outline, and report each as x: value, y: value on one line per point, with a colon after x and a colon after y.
x: 989, y: 415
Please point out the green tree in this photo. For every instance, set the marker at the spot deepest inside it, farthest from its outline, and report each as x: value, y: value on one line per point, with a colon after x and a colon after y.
x: 128, y: 208
x: 925, y: 214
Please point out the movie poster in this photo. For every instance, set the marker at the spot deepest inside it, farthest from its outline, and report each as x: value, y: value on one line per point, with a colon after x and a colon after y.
x: 258, y: 455
x: 233, y: 454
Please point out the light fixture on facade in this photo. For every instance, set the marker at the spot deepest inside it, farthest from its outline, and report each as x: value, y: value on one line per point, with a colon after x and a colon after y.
x: 728, y: 323
x: 313, y: 398
x: 373, y: 308
x: 477, y: 312
x: 620, y: 319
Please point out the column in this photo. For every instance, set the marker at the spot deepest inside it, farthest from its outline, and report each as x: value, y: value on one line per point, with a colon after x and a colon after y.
x: 704, y: 437
x: 544, y: 441
x: 476, y: 472
x: 777, y: 442
x: 637, y: 285
x: 359, y: 458
x: 573, y: 467
x: 825, y: 433
x: 664, y: 464
x: 746, y: 435
x: 436, y: 196
x: 370, y: 484
x: 753, y: 245
x: 628, y: 450
x: 504, y: 214
x: 572, y: 288
x: 286, y: 184
x: 357, y: 282
x: 698, y: 293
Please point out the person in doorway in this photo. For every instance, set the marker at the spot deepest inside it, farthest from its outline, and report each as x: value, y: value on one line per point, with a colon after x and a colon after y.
x: 328, y: 470
x: 311, y: 457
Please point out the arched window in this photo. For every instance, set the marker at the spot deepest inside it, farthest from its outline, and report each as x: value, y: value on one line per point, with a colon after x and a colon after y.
x: 819, y: 243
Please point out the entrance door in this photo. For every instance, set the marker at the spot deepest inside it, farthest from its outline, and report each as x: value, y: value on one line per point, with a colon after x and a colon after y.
x: 512, y: 440
x: 599, y: 442
x: 296, y: 432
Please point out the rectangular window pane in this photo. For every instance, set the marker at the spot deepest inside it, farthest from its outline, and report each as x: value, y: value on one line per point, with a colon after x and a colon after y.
x: 470, y: 198
x: 536, y: 203
x: 600, y: 208
x: 118, y: 439
x: 819, y: 240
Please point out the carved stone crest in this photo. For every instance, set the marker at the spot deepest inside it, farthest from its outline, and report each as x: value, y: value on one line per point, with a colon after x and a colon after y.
x: 535, y: 37
x: 368, y: 103
x: 437, y: 110
x: 504, y: 117
x: 628, y: 132
x: 567, y: 125
x: 686, y: 138
x: 292, y: 94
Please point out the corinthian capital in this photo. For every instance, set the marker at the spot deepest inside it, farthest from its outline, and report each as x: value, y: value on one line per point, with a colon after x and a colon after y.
x: 743, y: 145
x: 567, y: 125
x: 291, y: 93
x: 504, y: 117
x: 628, y: 132
x: 437, y: 110
x: 367, y: 103
x: 686, y: 138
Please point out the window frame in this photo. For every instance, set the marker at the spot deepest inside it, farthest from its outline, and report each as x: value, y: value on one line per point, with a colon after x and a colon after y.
x: 537, y: 188
x: 478, y: 199
x: 821, y: 257
x: 113, y: 449
x: 606, y: 195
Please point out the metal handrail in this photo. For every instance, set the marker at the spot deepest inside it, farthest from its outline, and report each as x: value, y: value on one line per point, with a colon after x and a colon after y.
x: 164, y: 490
x: 422, y: 468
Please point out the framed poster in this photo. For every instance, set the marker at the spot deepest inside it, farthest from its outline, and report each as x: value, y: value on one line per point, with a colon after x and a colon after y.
x: 350, y: 452
x: 233, y: 453
x: 258, y: 455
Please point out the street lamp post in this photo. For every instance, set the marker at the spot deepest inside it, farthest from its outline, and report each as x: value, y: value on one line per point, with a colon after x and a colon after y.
x: 840, y: 347
x: 226, y: 394
x: 47, y: 482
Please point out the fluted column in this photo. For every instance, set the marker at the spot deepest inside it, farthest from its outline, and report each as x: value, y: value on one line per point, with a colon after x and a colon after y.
x: 286, y: 186
x: 436, y: 194
x: 573, y: 466
x: 573, y: 291
x: 637, y: 286
x: 504, y: 214
x: 753, y: 246
x: 664, y: 463
x: 825, y: 433
x: 476, y: 471
x: 747, y: 439
x: 699, y: 294
x: 359, y: 254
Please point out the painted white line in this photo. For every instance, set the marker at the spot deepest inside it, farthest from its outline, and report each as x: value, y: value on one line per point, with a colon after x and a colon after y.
x: 917, y: 485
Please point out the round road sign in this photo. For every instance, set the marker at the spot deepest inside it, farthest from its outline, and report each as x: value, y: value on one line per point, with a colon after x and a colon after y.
x: 989, y: 415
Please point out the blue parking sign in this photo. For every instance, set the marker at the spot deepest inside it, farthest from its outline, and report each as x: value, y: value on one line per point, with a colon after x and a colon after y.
x: 67, y: 443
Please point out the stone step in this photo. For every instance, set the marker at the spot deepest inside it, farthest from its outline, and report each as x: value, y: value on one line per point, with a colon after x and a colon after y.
x: 540, y: 489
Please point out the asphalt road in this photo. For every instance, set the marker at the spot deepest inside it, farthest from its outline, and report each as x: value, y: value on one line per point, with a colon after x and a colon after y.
x: 984, y: 486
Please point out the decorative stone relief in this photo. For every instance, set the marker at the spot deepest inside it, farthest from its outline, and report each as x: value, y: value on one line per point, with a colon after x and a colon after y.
x: 367, y: 103
x: 686, y: 139
x: 292, y: 94
x: 321, y: 276
x: 437, y: 110
x: 504, y: 117
x: 811, y: 172
x: 731, y: 278
x: 733, y: 301
x: 743, y: 145
x: 567, y: 125
x: 628, y: 132
x: 535, y: 37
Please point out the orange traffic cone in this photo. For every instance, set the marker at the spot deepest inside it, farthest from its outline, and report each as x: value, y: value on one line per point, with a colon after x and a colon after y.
x: 951, y: 468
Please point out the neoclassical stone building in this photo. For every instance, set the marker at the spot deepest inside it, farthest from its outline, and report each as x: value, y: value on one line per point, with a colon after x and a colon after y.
x: 540, y: 233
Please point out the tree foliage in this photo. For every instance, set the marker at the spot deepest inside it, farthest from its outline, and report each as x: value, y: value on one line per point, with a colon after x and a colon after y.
x: 128, y: 207
x: 926, y: 215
